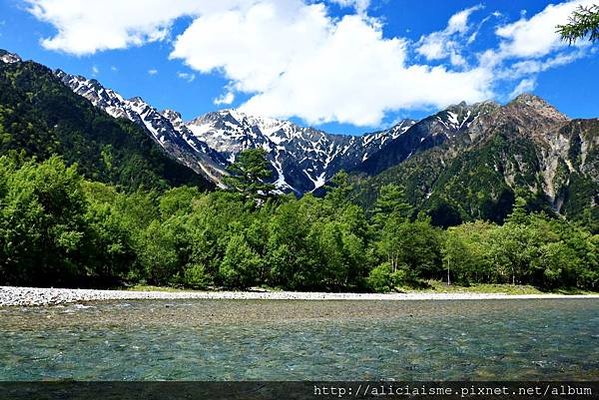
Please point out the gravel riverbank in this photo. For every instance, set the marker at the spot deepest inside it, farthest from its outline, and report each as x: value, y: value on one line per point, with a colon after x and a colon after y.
x: 25, y: 296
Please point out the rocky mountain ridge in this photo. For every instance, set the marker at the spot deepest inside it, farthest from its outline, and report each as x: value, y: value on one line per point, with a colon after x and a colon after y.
x: 526, y: 148
x: 303, y: 158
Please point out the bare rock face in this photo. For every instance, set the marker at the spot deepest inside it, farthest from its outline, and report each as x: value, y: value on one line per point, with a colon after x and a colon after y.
x: 543, y: 147
x: 525, y: 148
x: 446, y: 127
x: 165, y: 128
x: 303, y: 158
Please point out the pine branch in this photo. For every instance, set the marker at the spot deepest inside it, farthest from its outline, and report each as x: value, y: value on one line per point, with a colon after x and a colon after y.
x: 583, y: 22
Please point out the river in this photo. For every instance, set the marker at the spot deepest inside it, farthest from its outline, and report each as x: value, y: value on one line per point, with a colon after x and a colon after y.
x: 302, y: 340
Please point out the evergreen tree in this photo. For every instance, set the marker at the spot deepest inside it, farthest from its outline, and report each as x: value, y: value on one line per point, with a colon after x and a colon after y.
x: 250, y: 174
x: 519, y: 214
x: 56, y: 228
x: 583, y: 22
x: 391, y: 203
x: 339, y: 190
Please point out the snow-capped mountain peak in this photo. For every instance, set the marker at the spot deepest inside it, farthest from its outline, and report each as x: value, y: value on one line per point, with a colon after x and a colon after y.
x: 303, y: 159
x: 166, y: 128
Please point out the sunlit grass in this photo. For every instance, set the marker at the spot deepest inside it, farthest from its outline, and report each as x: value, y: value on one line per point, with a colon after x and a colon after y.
x: 429, y: 286
x: 443, y: 287
x: 150, y: 288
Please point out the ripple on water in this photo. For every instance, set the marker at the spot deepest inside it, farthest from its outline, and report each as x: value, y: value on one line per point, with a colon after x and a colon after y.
x: 286, y: 340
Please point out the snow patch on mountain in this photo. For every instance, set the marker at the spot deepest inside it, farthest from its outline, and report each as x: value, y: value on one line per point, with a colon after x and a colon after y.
x: 303, y: 158
x: 166, y: 128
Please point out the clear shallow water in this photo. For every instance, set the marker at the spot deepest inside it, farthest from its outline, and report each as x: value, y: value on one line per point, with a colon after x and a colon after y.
x: 301, y: 340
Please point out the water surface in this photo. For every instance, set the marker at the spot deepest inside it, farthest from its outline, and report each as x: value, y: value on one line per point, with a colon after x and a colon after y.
x: 302, y: 340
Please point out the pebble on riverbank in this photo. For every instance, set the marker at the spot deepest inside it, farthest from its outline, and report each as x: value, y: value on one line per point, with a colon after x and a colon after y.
x: 25, y: 296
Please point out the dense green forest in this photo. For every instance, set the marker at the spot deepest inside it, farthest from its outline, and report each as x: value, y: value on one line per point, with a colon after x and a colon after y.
x: 57, y: 228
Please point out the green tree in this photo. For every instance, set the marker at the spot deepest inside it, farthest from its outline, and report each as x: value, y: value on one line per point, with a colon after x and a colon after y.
x: 558, y: 262
x: 111, y: 247
x: 379, y: 279
x: 466, y: 249
x: 454, y: 252
x: 293, y: 246
x: 178, y: 201
x: 164, y: 251
x: 583, y: 22
x: 42, y: 117
x: 195, y: 276
x: 512, y: 249
x: 519, y: 214
x: 414, y: 247
x: 250, y: 173
x: 339, y: 190
x: 389, y: 244
x: 42, y: 224
x: 210, y: 227
x: 241, y: 265
x: 391, y: 203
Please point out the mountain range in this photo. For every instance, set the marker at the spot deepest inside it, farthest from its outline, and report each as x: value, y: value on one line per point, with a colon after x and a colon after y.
x: 302, y: 159
x: 467, y: 161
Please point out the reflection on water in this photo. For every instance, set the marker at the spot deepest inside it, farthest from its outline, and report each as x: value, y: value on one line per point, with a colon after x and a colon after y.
x: 297, y: 340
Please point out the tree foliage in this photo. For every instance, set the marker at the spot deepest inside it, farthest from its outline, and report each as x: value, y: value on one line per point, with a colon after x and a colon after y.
x: 250, y: 174
x: 584, y: 22
x: 56, y: 228
x: 41, y: 117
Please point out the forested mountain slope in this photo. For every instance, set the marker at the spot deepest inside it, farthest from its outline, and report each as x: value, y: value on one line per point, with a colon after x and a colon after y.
x: 526, y: 148
x: 40, y: 116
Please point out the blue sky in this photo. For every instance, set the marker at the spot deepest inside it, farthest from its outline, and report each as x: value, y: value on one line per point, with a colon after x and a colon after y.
x: 345, y: 66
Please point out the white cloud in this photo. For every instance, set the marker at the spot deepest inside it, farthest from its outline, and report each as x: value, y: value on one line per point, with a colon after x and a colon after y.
x: 225, y: 99
x: 186, y: 76
x: 85, y: 26
x: 449, y: 43
x: 256, y: 46
x: 359, y: 5
x: 537, y: 36
x: 525, y: 86
x: 337, y: 70
x: 152, y: 71
x: 113, y: 68
x: 95, y: 70
x: 292, y: 58
x: 359, y: 77
x: 535, y: 66
x: 458, y: 23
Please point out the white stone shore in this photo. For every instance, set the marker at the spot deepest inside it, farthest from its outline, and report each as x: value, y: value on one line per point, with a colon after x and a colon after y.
x: 26, y: 296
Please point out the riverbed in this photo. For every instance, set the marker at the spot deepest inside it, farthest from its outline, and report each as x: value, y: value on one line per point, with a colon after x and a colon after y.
x: 190, y: 339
